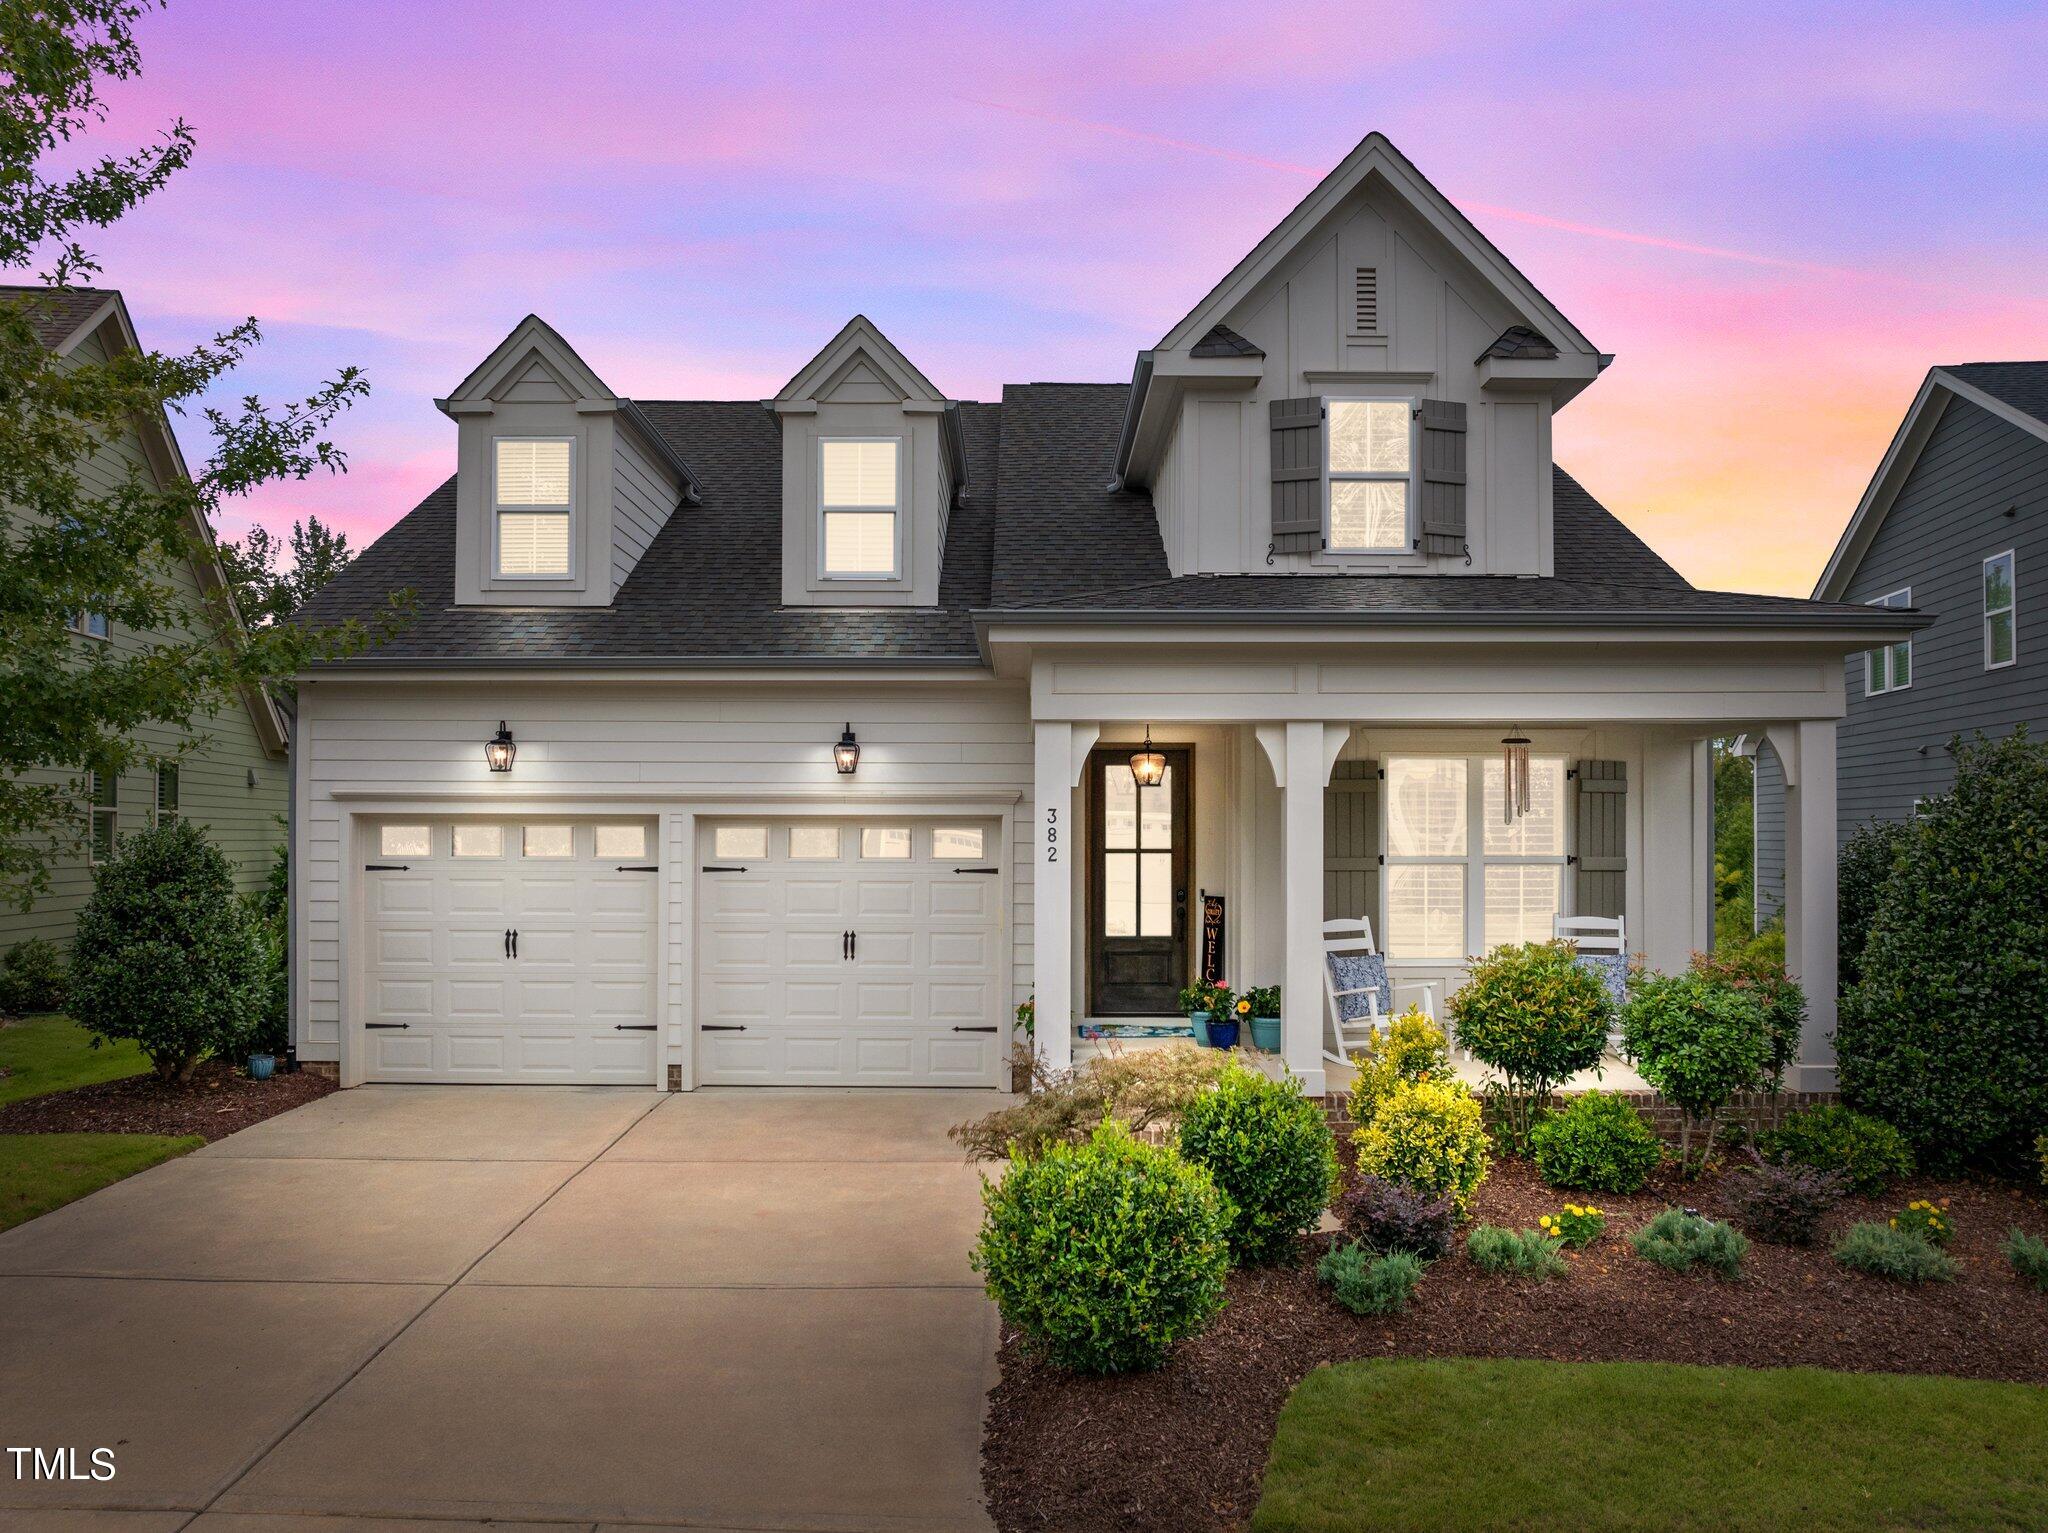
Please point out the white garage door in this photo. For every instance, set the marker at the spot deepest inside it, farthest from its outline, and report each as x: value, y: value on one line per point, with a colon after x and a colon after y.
x: 850, y: 952
x: 510, y: 951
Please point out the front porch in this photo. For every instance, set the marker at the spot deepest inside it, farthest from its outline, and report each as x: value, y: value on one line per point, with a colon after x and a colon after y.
x: 1276, y: 828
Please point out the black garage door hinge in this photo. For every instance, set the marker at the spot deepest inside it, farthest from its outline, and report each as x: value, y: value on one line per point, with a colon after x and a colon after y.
x: 977, y: 870
x: 974, y: 1029
x: 633, y: 1027
x: 721, y: 1027
x: 639, y: 867
x: 378, y: 1026
x: 719, y: 868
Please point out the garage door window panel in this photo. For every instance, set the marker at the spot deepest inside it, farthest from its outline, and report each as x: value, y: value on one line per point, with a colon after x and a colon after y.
x: 885, y: 843
x: 405, y: 841
x: 551, y: 842
x: 479, y: 840
x: 814, y: 843
x: 626, y: 841
x: 739, y: 841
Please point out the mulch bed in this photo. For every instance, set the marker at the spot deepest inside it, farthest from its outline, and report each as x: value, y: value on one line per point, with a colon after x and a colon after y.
x: 1185, y: 1448
x: 216, y: 1102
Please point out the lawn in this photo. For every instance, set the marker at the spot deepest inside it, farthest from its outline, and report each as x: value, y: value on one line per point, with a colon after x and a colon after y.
x: 54, y: 1054
x: 1468, y: 1444
x: 39, y: 1172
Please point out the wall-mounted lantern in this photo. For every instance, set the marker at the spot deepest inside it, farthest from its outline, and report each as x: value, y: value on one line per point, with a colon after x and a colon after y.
x: 846, y: 754
x: 1149, y: 765
x: 499, y: 749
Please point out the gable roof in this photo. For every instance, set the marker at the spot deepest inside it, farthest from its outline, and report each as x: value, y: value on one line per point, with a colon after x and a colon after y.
x: 859, y: 334
x: 1222, y: 341
x: 2015, y: 392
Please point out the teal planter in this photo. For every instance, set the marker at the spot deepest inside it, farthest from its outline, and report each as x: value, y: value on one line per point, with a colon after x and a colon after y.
x: 261, y: 1066
x: 1198, y: 1024
x: 1266, y: 1034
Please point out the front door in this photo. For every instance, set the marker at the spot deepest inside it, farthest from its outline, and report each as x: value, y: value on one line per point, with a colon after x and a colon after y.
x: 1140, y: 840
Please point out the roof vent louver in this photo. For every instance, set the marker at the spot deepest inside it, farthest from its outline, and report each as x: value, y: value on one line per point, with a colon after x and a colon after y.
x: 1365, y: 299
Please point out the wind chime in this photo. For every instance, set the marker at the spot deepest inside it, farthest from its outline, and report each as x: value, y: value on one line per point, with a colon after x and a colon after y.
x: 1514, y: 762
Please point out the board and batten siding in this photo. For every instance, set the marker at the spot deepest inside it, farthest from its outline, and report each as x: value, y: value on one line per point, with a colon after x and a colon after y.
x: 245, y: 822
x: 673, y: 750
x: 1950, y: 515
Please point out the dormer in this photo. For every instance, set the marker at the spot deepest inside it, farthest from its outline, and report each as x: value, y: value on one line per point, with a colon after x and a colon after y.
x: 561, y: 484
x: 1369, y: 391
x: 872, y: 463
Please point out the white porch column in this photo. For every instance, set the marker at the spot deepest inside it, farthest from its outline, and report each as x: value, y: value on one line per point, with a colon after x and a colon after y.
x: 1306, y: 763
x: 1053, y: 847
x: 1810, y: 857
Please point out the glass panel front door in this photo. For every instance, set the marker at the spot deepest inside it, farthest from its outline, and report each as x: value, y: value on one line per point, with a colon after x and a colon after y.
x: 1138, y: 886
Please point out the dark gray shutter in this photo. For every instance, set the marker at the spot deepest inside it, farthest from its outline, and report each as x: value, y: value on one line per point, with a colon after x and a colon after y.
x: 1297, y: 475
x: 1603, y: 837
x: 1443, y: 477
x: 1351, y: 844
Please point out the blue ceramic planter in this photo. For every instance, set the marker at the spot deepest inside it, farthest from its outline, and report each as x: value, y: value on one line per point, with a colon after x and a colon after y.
x: 1198, y: 1024
x: 261, y: 1066
x: 1266, y: 1034
x: 1222, y: 1035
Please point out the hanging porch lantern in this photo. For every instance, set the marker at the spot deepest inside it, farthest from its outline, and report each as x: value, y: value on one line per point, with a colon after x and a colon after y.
x: 1514, y: 762
x: 846, y: 754
x: 499, y: 749
x: 1149, y: 765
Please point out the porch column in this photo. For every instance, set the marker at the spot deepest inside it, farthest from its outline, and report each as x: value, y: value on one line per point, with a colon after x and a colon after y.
x: 1811, y: 849
x: 1052, y: 847
x: 1307, y: 771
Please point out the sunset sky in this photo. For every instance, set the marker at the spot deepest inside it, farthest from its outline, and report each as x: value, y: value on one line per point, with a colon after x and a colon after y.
x: 1778, y: 217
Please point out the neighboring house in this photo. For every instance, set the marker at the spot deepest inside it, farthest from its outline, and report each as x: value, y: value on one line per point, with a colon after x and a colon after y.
x: 821, y: 709
x: 233, y: 783
x: 1955, y: 523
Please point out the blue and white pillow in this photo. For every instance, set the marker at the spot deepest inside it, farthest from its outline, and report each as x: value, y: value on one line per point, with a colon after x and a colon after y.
x: 1360, y: 972
x: 1612, y: 969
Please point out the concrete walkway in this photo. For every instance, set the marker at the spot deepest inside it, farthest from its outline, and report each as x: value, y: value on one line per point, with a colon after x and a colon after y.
x: 407, y: 1307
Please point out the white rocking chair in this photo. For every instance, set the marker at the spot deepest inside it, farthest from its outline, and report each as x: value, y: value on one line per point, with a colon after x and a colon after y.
x: 1353, y: 1012
x: 1600, y: 944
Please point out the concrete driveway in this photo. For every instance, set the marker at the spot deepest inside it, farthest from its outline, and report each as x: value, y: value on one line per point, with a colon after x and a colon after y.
x: 555, y: 1306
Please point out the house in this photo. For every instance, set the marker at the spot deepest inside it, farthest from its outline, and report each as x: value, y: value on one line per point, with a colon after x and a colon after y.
x: 790, y: 741
x: 1952, y: 523
x: 232, y: 777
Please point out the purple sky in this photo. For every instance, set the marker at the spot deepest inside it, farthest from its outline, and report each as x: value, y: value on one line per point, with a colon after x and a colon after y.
x: 1778, y: 217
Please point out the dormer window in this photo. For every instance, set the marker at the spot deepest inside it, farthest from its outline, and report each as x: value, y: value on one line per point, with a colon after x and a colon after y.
x: 1371, y: 471
x: 533, y: 506
x: 860, y: 485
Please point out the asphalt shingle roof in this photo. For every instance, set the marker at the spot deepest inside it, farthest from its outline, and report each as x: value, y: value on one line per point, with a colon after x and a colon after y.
x: 1520, y: 342
x: 2023, y: 385
x: 57, y: 311
x: 1222, y: 341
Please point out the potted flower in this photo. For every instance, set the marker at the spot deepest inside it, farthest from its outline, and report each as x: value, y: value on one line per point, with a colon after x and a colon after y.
x: 1225, y: 1014
x: 1262, y: 1003
x: 1205, y: 1005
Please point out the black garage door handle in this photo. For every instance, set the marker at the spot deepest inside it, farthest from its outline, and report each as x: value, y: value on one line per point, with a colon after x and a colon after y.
x: 973, y: 1029
x: 383, y: 1026
x: 720, y: 1027
x: 633, y: 1027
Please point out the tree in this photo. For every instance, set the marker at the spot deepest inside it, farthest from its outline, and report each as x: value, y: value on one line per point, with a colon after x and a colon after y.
x: 1734, y: 845
x: 66, y: 707
x: 264, y: 593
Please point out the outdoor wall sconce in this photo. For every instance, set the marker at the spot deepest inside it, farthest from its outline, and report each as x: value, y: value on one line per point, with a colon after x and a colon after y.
x: 846, y: 754
x: 499, y: 749
x: 1149, y: 765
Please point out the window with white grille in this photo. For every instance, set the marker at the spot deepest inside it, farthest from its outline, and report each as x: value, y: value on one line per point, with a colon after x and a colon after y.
x: 1461, y: 877
x: 1371, y: 468
x: 1889, y: 667
x: 860, y: 504
x: 103, y: 815
x: 166, y: 794
x: 2001, y: 635
x: 534, y: 506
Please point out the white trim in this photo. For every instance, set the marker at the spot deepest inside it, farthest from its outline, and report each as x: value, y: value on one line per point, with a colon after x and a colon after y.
x: 94, y: 809
x: 2010, y: 610
x: 822, y: 511
x: 157, y: 815
x: 499, y: 512
x: 1902, y: 597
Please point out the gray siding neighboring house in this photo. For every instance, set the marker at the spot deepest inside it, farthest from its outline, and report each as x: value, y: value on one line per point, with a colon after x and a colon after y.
x: 1768, y: 806
x: 1965, y: 480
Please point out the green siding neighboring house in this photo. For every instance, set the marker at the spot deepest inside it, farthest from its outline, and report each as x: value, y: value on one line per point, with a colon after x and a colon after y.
x: 234, y: 783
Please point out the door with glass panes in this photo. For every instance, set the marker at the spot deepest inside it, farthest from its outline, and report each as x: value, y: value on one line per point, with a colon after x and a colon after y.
x: 1141, y: 841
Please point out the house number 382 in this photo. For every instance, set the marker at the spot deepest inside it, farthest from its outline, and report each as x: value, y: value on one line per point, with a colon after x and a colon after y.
x: 1052, y: 835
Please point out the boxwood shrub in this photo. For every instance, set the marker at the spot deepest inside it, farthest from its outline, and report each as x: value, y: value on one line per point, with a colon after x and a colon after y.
x: 1104, y: 1254
x: 1272, y: 1154
x: 1597, y: 1143
x: 1429, y: 1135
x: 1868, y: 1152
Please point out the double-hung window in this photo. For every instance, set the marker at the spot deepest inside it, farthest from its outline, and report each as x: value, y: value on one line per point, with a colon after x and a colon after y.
x: 533, y: 507
x: 1462, y: 878
x: 102, y: 815
x: 2001, y: 612
x: 1371, y: 473
x: 860, y: 484
x: 1889, y: 667
x: 92, y: 624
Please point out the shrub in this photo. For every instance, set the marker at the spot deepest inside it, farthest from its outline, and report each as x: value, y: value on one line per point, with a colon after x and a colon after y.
x: 1598, y: 1142
x: 167, y: 954
x: 1430, y: 1135
x: 1680, y: 1241
x: 1367, y: 1284
x: 1883, y: 1252
x: 1861, y: 872
x: 1143, y: 1087
x: 270, y: 906
x: 1216, y: 1000
x: 1514, y: 1253
x: 1271, y: 1153
x: 1699, y: 1042
x: 32, y: 978
x: 1927, y: 1221
x: 1413, y: 1048
x: 1579, y: 1224
x: 1869, y: 1152
x: 1784, y: 1204
x: 2029, y: 1257
x: 1784, y: 1003
x: 1388, y: 1216
x: 1534, y: 1015
x: 1104, y: 1254
x: 1942, y: 1036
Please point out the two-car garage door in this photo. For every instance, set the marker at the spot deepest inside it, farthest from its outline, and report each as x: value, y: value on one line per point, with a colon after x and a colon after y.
x: 827, y: 952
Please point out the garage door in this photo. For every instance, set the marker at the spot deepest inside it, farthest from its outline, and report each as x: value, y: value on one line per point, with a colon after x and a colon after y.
x: 510, y: 951
x: 858, y: 952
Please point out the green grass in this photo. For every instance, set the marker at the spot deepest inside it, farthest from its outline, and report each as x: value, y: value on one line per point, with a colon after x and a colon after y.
x: 1631, y: 1445
x: 39, y: 1172
x: 47, y: 1054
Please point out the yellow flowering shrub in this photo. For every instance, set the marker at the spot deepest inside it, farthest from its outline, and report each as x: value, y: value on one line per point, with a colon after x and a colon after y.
x: 1580, y: 1224
x: 1428, y: 1135
x: 1929, y: 1221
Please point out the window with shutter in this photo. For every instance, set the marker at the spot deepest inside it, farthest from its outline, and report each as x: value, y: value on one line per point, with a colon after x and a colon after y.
x: 1461, y: 877
x: 166, y: 794
x: 1443, y: 477
x: 1371, y: 469
x: 1602, y: 856
x: 102, y: 816
x: 1297, y: 475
